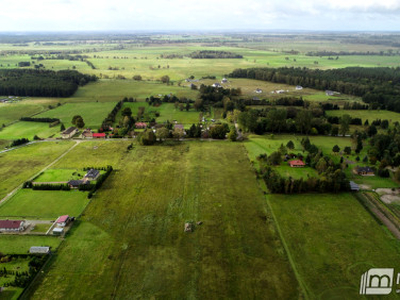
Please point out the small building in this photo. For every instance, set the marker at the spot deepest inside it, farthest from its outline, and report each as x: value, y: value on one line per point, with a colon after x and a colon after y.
x: 299, y: 87
x: 12, y: 225
x: 74, y: 184
x: 62, y: 221
x: 87, y: 133
x: 296, y: 163
x: 99, y: 135
x: 217, y: 85
x: 329, y: 93
x: 92, y: 174
x: 178, y: 126
x: 354, y: 186
x: 364, y: 171
x: 140, y: 125
x: 58, y: 230
x: 280, y: 91
x: 39, y: 250
x: 258, y: 91
x: 224, y: 80
x: 69, y: 132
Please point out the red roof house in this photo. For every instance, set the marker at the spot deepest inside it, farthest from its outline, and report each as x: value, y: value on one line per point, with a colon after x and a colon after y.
x: 11, y: 225
x: 141, y: 125
x: 63, y: 220
x: 99, y: 135
x: 296, y: 164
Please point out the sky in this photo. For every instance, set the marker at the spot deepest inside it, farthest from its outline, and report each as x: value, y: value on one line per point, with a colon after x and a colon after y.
x: 205, y: 15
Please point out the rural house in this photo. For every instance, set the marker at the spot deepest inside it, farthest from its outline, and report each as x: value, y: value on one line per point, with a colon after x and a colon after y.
x: 217, y: 85
x: 74, y: 184
x: 224, y: 80
x: 69, y: 132
x: 364, y: 171
x: 141, y: 125
x: 258, y: 91
x: 99, y: 135
x: 87, y: 133
x: 39, y: 250
x: 63, y: 220
x: 299, y: 87
x: 296, y: 164
x: 329, y: 93
x: 92, y: 174
x: 12, y: 225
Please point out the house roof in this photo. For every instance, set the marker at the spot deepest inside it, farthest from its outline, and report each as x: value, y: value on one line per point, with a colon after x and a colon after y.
x: 92, y: 173
x: 364, y: 170
x: 35, y: 249
x: 62, y: 219
x: 58, y: 229
x: 297, y: 163
x: 69, y: 130
x: 75, y: 182
x: 99, y: 134
x: 140, y: 124
x: 11, y: 224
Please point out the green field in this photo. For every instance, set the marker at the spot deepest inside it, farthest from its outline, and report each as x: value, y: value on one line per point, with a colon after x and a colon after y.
x: 93, y: 114
x: 17, y: 244
x: 333, y: 240
x: 30, y: 204
x: 28, y: 130
x: 138, y: 217
x: 16, y: 265
x: 19, y: 165
x: 369, y: 115
x: 56, y: 175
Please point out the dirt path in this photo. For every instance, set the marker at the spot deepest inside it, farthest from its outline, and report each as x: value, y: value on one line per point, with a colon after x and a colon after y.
x: 8, y: 196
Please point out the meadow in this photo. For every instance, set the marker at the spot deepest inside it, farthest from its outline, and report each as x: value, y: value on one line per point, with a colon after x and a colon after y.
x: 139, y: 215
x: 16, y: 244
x: 369, y: 115
x: 28, y: 130
x: 16, y: 265
x: 18, y: 166
x: 92, y: 113
x: 33, y: 204
x: 56, y: 175
x: 333, y: 240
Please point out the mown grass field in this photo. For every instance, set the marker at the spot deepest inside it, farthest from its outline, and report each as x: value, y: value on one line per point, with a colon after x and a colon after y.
x: 17, y: 166
x: 56, y: 175
x: 333, y: 240
x: 369, y: 115
x: 138, y: 219
x: 93, y: 114
x: 29, y: 204
x: 17, y: 244
x: 28, y: 130
x: 16, y: 265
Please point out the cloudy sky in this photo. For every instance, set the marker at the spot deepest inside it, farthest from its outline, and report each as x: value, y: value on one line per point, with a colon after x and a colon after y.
x: 87, y: 15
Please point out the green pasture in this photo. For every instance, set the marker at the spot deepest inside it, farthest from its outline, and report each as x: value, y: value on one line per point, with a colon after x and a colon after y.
x: 29, y: 204
x: 18, y: 166
x: 16, y: 265
x: 56, y: 175
x: 369, y: 115
x: 93, y: 113
x: 333, y: 240
x: 41, y: 227
x: 20, y: 244
x: 28, y: 130
x: 138, y: 218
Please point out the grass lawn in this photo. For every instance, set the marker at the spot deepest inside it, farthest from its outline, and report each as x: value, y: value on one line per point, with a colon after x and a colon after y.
x: 370, y: 182
x: 28, y: 130
x: 18, y: 166
x: 27, y: 204
x: 41, y: 227
x: 55, y: 175
x: 92, y: 113
x: 333, y: 240
x: 18, y: 244
x: 16, y: 265
x: 138, y: 219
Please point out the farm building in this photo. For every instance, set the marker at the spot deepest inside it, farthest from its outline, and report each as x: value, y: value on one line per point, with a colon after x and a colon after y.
x: 329, y: 93
x: 216, y: 85
x: 12, y: 225
x: 141, y: 125
x: 39, y: 250
x: 63, y: 220
x: 224, y: 80
x: 280, y: 91
x: 69, y: 132
x: 76, y: 183
x: 58, y: 230
x: 87, y: 133
x: 99, y: 135
x: 299, y: 87
x: 258, y: 91
x: 364, y: 171
x: 354, y: 186
x: 297, y: 164
x: 92, y: 174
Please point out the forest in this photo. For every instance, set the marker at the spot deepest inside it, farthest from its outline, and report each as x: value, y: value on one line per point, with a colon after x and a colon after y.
x: 42, y: 83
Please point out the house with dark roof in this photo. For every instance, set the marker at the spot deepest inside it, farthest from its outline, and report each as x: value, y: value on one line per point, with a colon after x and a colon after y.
x: 12, y: 225
x: 74, y: 184
x: 87, y: 133
x: 364, y: 171
x: 329, y: 93
x: 69, y: 132
x: 296, y: 163
x: 92, y: 174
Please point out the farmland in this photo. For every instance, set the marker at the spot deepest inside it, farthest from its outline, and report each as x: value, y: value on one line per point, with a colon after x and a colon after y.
x: 148, y: 218
x: 14, y: 244
x: 332, y: 240
x: 28, y: 204
x: 28, y: 130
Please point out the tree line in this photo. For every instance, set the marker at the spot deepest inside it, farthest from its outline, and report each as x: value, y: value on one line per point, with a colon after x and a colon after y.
x: 213, y: 54
x: 42, y: 83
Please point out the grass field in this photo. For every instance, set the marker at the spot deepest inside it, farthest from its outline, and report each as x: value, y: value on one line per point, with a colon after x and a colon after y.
x: 16, y: 265
x: 138, y: 217
x: 29, y: 204
x: 333, y: 240
x: 55, y: 175
x: 93, y: 114
x: 28, y: 130
x: 19, y: 165
x: 369, y: 115
x: 17, y: 244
